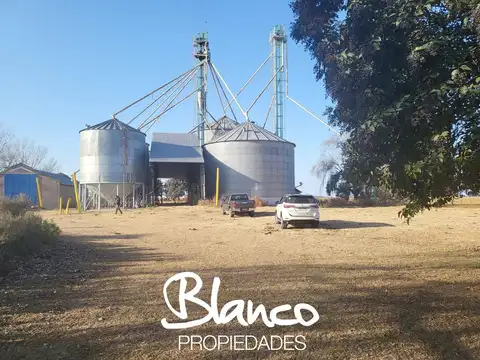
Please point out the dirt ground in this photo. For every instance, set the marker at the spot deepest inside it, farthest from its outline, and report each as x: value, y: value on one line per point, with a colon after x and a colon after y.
x: 383, y: 289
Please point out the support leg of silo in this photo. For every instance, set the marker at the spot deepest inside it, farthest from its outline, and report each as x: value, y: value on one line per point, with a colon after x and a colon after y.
x: 133, y: 198
x: 84, y: 196
x: 203, y: 194
x: 99, y: 197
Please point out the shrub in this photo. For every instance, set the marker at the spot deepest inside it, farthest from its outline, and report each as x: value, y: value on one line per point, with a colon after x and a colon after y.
x: 17, y: 206
x: 365, y: 202
x: 22, y: 234
x: 335, y: 202
x: 208, y: 202
x: 259, y: 202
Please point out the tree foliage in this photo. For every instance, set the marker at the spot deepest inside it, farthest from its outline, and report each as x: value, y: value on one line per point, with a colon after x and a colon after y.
x: 404, y: 77
x: 175, y: 188
x: 14, y: 151
x: 160, y: 190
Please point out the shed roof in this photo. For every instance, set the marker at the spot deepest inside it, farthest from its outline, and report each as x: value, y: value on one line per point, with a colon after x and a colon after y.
x: 112, y: 124
x: 175, y: 147
x: 59, y: 177
x: 249, y: 131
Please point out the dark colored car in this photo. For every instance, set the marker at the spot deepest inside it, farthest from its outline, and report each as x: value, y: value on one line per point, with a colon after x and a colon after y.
x: 238, y: 204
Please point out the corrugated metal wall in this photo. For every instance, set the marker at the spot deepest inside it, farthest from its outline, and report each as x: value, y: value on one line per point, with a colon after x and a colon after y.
x: 51, y: 190
x: 259, y: 168
x: 1, y: 185
x: 112, y: 156
x: 25, y: 184
x: 66, y: 192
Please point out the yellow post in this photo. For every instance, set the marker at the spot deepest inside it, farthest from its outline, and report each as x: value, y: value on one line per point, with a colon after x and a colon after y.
x: 60, y: 206
x: 75, y: 187
x: 67, y: 208
x: 39, y: 193
x: 217, y: 186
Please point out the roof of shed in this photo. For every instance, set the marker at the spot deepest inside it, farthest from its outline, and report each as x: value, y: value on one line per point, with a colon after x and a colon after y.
x: 59, y: 177
x: 175, y: 147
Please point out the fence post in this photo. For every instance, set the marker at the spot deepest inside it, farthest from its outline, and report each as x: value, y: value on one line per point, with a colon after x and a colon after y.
x: 67, y: 208
x: 75, y: 188
x: 39, y: 193
x: 217, y: 186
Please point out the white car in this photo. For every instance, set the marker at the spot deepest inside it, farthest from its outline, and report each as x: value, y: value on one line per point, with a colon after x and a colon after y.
x: 297, y: 209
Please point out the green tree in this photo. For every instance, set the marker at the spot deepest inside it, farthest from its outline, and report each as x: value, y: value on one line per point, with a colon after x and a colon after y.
x: 404, y: 77
x: 160, y: 190
x: 175, y: 188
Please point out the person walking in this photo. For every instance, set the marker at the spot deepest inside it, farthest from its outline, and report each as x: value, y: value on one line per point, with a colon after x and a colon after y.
x: 117, y: 205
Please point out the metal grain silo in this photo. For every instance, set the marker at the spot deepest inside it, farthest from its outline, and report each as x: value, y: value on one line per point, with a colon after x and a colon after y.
x: 251, y: 160
x: 220, y: 127
x: 112, y: 161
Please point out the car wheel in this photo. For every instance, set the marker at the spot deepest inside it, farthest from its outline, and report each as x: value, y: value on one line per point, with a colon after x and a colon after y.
x: 277, y: 220
x: 316, y: 224
x: 251, y: 213
x: 283, y: 223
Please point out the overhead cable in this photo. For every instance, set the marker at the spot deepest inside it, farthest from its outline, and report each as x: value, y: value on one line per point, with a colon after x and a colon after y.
x: 297, y: 103
x: 174, y: 94
x: 234, y: 97
x: 268, y: 112
x: 154, y: 91
x: 216, y: 88
x: 174, y: 87
x: 167, y: 107
x: 251, y: 78
x: 315, y: 116
x: 160, y: 96
x: 223, y: 92
x: 265, y: 88
x: 171, y: 107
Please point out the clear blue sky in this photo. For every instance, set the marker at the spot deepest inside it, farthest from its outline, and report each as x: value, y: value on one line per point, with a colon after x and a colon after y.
x: 64, y: 64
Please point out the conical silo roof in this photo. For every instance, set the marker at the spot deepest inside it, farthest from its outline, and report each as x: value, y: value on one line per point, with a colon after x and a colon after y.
x: 224, y: 123
x: 249, y: 131
x: 112, y: 124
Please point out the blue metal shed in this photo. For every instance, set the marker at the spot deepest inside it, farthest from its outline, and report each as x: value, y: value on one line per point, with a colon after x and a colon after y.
x: 16, y: 184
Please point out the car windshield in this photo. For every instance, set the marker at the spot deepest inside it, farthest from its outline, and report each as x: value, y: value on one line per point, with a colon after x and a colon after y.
x: 240, y: 197
x: 300, y: 200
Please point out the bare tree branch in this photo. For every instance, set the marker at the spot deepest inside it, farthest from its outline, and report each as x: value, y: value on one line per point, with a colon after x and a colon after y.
x: 14, y: 151
x: 328, y: 162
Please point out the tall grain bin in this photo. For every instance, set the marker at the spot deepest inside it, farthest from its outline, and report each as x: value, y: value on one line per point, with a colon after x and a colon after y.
x: 251, y: 160
x: 112, y: 161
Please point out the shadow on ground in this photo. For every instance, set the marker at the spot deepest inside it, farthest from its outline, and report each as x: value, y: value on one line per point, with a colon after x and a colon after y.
x: 100, y: 300
x: 343, y: 224
x: 265, y: 214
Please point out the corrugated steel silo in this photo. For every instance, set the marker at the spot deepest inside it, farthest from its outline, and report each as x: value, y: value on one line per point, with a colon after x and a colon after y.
x: 251, y: 160
x: 222, y: 126
x: 112, y: 160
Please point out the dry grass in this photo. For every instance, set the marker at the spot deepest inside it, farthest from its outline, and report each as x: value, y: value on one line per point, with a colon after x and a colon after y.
x: 472, y: 200
x: 208, y: 202
x: 384, y: 290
